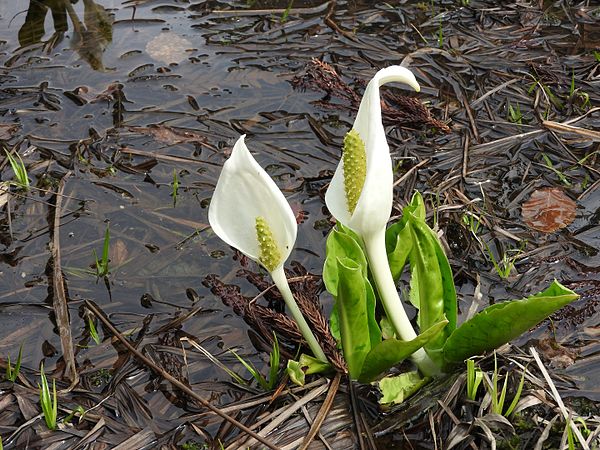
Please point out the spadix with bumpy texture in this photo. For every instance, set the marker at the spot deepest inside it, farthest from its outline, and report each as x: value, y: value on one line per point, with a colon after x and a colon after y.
x: 355, y: 168
x: 270, y: 256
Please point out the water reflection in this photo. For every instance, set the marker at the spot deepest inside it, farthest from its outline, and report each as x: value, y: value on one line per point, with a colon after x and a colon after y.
x: 90, y: 38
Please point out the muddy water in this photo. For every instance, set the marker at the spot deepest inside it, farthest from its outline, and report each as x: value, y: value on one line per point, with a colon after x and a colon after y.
x: 122, y: 95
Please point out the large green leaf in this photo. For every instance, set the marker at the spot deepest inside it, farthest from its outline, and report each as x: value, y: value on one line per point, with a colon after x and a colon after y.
x: 355, y: 304
x: 392, y: 351
x: 502, y: 322
x: 341, y: 242
x: 398, y: 242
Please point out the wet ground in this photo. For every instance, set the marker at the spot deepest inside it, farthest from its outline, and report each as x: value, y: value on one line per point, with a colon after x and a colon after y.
x: 105, y: 101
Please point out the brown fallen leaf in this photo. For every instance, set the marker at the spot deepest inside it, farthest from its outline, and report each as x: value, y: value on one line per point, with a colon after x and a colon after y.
x: 548, y: 210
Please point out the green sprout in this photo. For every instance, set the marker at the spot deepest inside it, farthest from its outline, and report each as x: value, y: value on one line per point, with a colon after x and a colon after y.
x: 13, y: 372
x: 274, y: 360
x: 77, y: 411
x: 472, y: 222
x: 18, y: 167
x: 499, y: 398
x: 286, y: 12
x: 48, y: 402
x: 506, y: 264
x: 514, y: 114
x: 102, y: 265
x: 440, y: 36
x: 474, y: 379
x: 561, y: 176
x: 93, y: 331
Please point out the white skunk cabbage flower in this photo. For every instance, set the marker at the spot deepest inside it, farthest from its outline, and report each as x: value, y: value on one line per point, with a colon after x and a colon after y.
x: 250, y: 213
x: 360, y: 196
x: 361, y: 191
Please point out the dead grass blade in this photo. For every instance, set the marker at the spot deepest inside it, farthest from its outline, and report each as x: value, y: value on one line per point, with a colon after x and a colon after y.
x: 61, y: 309
x: 558, y: 399
x: 316, y: 426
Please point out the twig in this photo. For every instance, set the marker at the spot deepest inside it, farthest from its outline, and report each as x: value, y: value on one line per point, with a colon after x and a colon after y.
x: 410, y: 171
x: 59, y: 301
x: 323, y: 411
x: 174, y: 381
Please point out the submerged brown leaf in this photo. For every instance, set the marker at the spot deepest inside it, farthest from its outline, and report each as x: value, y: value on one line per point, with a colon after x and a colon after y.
x: 548, y: 210
x: 7, y: 131
x: 170, y: 135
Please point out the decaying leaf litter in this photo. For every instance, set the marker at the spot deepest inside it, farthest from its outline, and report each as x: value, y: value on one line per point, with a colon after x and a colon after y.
x: 516, y: 84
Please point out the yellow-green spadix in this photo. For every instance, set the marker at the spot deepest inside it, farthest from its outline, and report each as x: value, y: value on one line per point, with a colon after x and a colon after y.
x: 250, y: 213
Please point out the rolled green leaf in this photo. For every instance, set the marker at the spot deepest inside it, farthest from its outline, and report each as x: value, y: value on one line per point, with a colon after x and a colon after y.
x: 341, y: 242
x: 356, y: 315
x: 392, y: 351
x: 432, y: 299
x: 500, y: 323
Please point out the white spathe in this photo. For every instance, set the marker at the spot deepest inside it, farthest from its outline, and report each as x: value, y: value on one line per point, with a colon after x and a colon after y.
x: 244, y: 192
x: 374, y: 205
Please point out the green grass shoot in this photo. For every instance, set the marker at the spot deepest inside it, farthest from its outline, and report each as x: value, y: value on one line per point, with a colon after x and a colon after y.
x: 102, y: 264
x: 18, y: 167
x: 440, y: 36
x: 514, y: 114
x: 286, y: 12
x: 506, y: 264
x: 474, y: 379
x: 93, y: 331
x: 472, y: 222
x: 77, y: 411
x: 48, y: 402
x: 274, y: 360
x: 175, y: 187
x: 1, y: 446
x: 499, y: 397
x: 561, y: 176
x: 13, y: 372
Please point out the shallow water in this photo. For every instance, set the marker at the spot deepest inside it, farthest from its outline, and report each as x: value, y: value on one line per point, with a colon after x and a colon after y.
x: 132, y: 91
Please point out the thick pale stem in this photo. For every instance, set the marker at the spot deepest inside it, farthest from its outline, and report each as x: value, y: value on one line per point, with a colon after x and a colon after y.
x: 281, y: 282
x: 378, y: 262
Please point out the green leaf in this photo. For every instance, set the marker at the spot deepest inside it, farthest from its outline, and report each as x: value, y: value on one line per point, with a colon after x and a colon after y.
x: 307, y: 365
x: 295, y: 372
x: 341, y: 242
x: 311, y: 365
x: 392, y: 351
x: 356, y: 314
x: 397, y: 389
x: 398, y: 241
x: 436, y: 294
x: 502, y: 322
